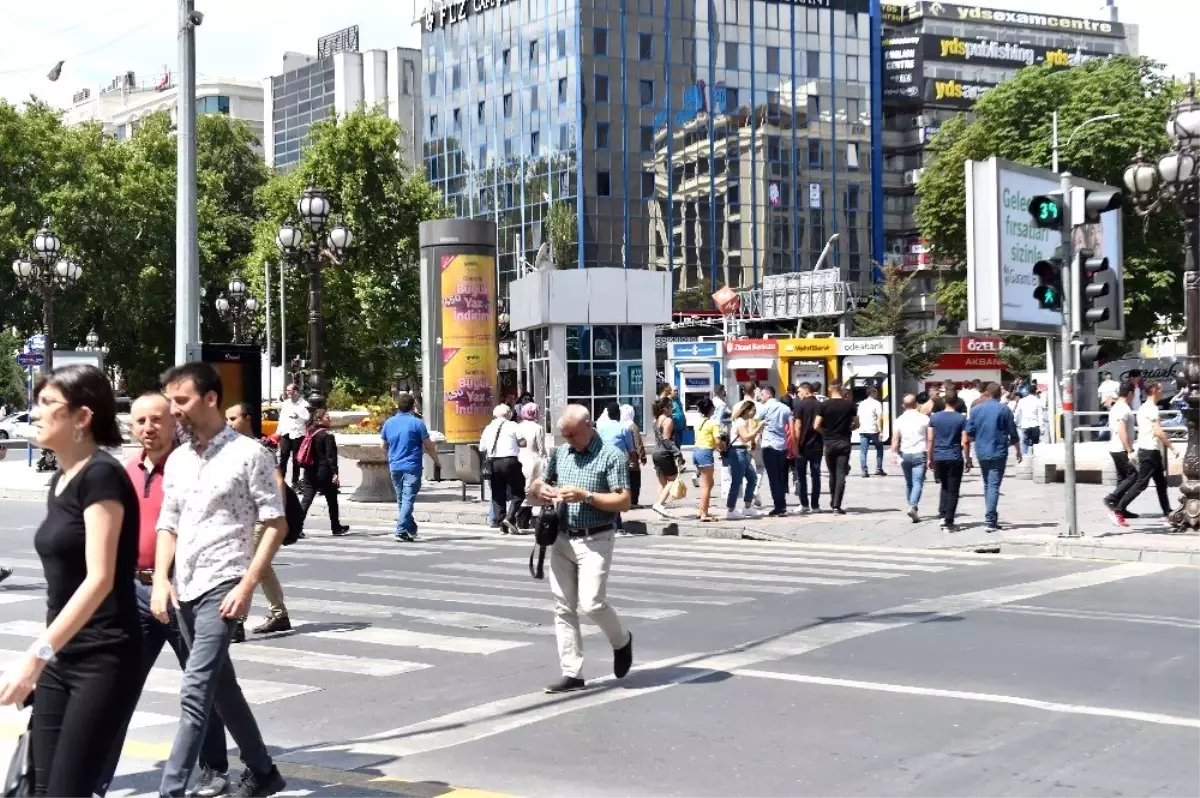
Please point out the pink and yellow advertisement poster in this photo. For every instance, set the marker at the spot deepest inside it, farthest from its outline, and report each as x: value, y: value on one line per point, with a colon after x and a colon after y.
x: 469, y: 368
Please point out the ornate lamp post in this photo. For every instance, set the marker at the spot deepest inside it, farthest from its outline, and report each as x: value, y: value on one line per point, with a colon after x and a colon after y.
x: 92, y: 344
x: 44, y: 273
x: 320, y: 248
x: 1176, y: 178
x: 238, y: 308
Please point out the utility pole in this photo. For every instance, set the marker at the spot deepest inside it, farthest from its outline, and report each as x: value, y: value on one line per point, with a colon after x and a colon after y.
x: 267, y: 304
x: 1069, y: 327
x: 187, y: 254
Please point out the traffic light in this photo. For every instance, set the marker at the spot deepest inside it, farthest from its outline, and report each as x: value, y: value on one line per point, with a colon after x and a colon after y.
x: 1047, y: 210
x: 1088, y: 208
x: 1092, y: 289
x: 1091, y: 355
x: 1049, y: 291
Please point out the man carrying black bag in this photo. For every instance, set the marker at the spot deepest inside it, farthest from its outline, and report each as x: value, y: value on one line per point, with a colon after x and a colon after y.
x: 588, y: 482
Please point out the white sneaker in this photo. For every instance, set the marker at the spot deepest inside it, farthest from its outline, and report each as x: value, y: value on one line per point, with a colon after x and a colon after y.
x: 805, y: 511
x: 757, y: 502
x: 750, y: 512
x: 734, y: 514
x: 660, y: 509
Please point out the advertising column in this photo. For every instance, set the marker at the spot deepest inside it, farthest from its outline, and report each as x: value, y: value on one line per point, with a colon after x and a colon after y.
x: 458, y: 327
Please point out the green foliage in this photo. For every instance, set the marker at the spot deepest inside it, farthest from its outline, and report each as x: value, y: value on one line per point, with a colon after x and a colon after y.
x: 563, y: 233
x: 1013, y: 121
x: 698, y: 298
x: 884, y: 315
x: 339, y: 397
x: 12, y: 376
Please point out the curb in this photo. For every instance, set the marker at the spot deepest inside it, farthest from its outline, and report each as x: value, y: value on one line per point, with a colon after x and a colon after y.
x: 1090, y: 550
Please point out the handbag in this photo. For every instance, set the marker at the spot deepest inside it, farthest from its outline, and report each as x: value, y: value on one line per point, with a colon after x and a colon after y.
x: 485, y: 469
x: 19, y: 781
x: 545, y: 532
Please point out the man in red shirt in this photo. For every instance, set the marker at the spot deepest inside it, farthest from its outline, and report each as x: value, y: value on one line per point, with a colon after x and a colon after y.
x: 154, y: 428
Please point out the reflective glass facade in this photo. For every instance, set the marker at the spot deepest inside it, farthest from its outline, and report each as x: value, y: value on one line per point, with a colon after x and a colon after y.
x: 301, y: 97
x: 722, y: 140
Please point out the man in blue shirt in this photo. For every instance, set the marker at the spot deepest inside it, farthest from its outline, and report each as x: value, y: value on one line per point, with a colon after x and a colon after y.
x: 993, y: 429
x: 949, y: 448
x: 776, y: 418
x: 404, y: 437
x: 612, y: 431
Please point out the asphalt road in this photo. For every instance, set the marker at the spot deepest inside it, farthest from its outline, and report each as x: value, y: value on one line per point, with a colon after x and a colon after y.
x: 762, y: 669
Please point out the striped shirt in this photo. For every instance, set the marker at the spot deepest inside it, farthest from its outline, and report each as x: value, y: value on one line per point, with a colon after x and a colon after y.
x: 599, y: 469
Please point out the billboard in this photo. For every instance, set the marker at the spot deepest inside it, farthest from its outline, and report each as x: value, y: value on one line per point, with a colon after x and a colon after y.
x: 469, y: 369
x: 1053, y: 23
x: 1001, y: 53
x: 902, y: 69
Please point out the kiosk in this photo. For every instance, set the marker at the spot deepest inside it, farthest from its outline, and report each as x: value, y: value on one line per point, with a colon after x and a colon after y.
x: 750, y: 360
x: 859, y: 364
x: 694, y: 369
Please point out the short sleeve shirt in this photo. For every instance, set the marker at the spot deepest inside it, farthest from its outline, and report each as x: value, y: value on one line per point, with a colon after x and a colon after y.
x: 600, y: 468
x: 1120, y: 415
x: 775, y: 416
x: 913, y: 426
x: 404, y: 434
x: 61, y: 543
x: 947, y: 427
x: 836, y: 420
x: 706, y: 434
x: 1147, y: 415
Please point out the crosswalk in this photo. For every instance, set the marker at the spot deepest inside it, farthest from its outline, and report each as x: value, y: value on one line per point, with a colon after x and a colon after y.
x: 365, y: 607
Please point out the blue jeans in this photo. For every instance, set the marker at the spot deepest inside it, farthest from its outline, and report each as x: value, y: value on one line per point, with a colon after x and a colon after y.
x: 865, y: 441
x: 408, y: 485
x: 808, y: 470
x: 993, y: 473
x: 1030, y: 437
x: 913, y: 466
x: 741, y: 466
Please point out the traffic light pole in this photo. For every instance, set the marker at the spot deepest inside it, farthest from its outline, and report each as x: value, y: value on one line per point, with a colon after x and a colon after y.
x: 1067, y: 359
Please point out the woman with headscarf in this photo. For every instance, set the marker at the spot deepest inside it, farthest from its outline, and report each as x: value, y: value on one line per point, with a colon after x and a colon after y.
x: 637, y: 458
x: 501, y: 444
x: 532, y: 456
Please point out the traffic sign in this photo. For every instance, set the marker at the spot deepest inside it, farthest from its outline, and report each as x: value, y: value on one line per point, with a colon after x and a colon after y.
x: 31, y: 359
x: 37, y: 342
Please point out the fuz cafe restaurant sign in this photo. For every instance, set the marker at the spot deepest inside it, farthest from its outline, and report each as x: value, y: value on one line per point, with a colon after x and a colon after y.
x: 443, y: 13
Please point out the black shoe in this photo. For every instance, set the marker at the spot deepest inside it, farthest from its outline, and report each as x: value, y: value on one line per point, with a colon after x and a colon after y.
x: 623, y: 658
x: 881, y: 473
x: 838, y: 511
x: 1130, y: 514
x: 5, y: 572
x: 341, y: 529
x: 508, y: 527
x: 566, y: 684
x: 777, y: 514
x: 211, y: 783
x: 278, y: 623
x: 404, y: 537
x: 253, y: 785
x: 866, y: 474
x: 991, y: 528
x: 239, y: 633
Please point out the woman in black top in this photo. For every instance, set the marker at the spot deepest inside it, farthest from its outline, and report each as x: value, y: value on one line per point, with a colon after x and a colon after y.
x: 321, y: 470
x: 87, y: 663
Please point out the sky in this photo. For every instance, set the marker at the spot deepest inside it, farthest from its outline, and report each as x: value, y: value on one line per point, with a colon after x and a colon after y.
x: 246, y: 39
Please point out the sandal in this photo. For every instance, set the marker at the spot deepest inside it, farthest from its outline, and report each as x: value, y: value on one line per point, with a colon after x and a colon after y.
x: 709, y: 519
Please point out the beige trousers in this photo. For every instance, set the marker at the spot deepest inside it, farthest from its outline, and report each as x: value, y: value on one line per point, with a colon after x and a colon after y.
x: 270, y: 583
x: 579, y: 578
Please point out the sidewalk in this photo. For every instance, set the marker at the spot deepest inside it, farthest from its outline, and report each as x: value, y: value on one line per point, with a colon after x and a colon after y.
x: 1031, y: 515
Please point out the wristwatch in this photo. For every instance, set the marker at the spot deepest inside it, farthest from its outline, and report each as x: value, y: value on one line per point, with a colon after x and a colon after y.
x: 42, y: 650
x: 589, y: 499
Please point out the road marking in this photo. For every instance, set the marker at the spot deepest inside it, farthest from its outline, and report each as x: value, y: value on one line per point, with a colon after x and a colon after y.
x: 1095, y: 615
x: 617, y: 579
x: 710, y: 576
x: 15, y: 598
x: 782, y: 566
x: 318, y: 661
x: 541, y: 588
x: 546, y: 604
x: 461, y: 620
x: 29, y: 629
x: 1032, y: 703
x: 769, y: 560
x: 750, y: 549
x: 403, y: 638
x: 285, y: 554
x: 507, y: 714
x: 12, y: 717
x: 787, y: 546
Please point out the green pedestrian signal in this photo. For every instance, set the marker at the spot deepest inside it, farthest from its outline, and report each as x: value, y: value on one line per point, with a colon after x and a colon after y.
x: 1049, y: 290
x: 1047, y: 211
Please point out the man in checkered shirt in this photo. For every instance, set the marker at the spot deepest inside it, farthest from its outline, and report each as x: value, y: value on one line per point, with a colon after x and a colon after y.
x: 589, y: 483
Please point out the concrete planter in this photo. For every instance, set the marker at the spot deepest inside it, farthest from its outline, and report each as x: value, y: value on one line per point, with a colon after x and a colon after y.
x: 375, y: 483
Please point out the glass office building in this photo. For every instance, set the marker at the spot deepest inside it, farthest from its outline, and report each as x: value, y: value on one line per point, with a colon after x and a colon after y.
x: 722, y: 140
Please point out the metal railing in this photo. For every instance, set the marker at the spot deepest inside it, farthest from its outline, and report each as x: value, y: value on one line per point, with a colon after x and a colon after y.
x: 1173, y: 423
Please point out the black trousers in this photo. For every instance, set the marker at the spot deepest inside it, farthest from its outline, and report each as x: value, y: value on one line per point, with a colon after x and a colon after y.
x: 808, y: 477
x: 949, y: 474
x: 1150, y: 467
x: 309, y: 489
x: 635, y: 484
x: 508, y: 488
x: 82, y: 704
x: 1127, y: 474
x: 837, y: 463
x: 287, y: 454
x: 775, y: 463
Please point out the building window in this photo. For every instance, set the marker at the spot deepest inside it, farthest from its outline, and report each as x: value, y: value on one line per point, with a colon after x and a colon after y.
x: 814, y: 64
x: 773, y: 60
x: 508, y: 147
x: 814, y: 153
x: 408, y: 77
x: 773, y: 149
x: 562, y: 90
x: 432, y: 84
x: 482, y: 158
x: 564, y: 137
x: 602, y: 135
x: 731, y: 55
x: 535, y: 143
x: 504, y: 58
x: 645, y: 46
x: 507, y: 106
x: 600, y: 41
x: 731, y: 100
x: 481, y: 70
x: 646, y: 92
x: 733, y: 197
x: 457, y: 121
x: 647, y: 136
x: 603, y: 189
x: 433, y: 126
x: 647, y: 185
x: 852, y: 197
x: 601, y: 88
x: 533, y: 53
x: 480, y: 110
x: 217, y: 104
x: 562, y: 44
x: 533, y: 100
x: 456, y: 77
x: 735, y: 235
x: 852, y: 156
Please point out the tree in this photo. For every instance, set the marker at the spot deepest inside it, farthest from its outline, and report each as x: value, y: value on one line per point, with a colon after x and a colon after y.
x: 564, y: 233
x: 372, y: 301
x: 12, y: 376
x: 884, y: 315
x: 1013, y: 121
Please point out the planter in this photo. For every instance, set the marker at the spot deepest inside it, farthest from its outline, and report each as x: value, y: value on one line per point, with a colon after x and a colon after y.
x: 340, y: 419
x: 375, y: 484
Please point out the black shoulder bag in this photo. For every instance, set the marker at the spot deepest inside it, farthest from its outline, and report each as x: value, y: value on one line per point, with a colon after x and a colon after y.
x: 545, y: 532
x: 19, y: 780
x: 485, y: 470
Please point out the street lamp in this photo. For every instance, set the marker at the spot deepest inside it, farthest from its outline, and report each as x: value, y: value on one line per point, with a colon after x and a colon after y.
x: 321, y: 247
x: 44, y: 273
x: 92, y: 344
x: 238, y: 308
x: 1176, y: 178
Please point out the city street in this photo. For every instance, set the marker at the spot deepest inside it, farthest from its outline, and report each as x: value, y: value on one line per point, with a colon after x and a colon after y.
x: 761, y: 668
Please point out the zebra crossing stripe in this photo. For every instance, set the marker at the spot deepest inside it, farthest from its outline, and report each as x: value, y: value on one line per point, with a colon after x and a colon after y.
x: 473, y: 621
x: 403, y: 638
x: 658, y: 552
x: 795, y: 566
x: 785, y: 547
x: 257, y: 691
x: 8, y: 597
x: 319, y: 661
x: 540, y: 588
x: 713, y: 580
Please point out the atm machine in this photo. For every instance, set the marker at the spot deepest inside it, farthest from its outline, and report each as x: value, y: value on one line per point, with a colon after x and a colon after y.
x: 863, y: 372
x: 694, y: 368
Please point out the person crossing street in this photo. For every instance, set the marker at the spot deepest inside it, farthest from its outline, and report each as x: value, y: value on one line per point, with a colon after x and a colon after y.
x: 293, y: 416
x: 992, y: 429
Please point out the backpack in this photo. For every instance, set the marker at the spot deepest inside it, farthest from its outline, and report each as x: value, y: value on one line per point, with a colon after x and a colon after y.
x: 304, y: 455
x: 293, y: 512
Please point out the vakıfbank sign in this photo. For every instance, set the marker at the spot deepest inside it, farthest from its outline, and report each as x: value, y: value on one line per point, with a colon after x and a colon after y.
x: 1009, y: 54
x: 1020, y: 19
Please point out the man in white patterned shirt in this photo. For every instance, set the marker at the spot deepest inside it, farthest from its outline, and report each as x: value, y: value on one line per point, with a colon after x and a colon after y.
x: 216, y: 488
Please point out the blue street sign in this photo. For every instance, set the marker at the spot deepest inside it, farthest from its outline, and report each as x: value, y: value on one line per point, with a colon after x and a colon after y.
x: 37, y: 342
x: 694, y: 349
x: 31, y: 359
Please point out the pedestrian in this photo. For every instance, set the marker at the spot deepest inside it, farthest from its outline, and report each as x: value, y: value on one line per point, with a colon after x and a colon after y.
x: 532, y: 457
x: 992, y: 429
x: 820, y: 397
x: 1029, y: 416
x: 238, y: 418
x: 836, y: 420
x: 501, y: 444
x: 319, y: 463
x: 909, y: 446
x: 153, y: 428
x: 971, y: 393
x: 588, y: 482
x: 667, y: 456
x: 810, y: 444
x: 952, y: 399
x: 870, y: 429
x: 405, y: 439
x: 1108, y: 390
x: 705, y: 453
x: 744, y: 432
x: 750, y: 392
x: 86, y: 663
x: 776, y: 419
x: 947, y: 450
x: 1151, y: 444
x: 677, y: 416
x: 293, y: 416
x: 720, y: 405
x: 1120, y: 448
x: 637, y: 458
